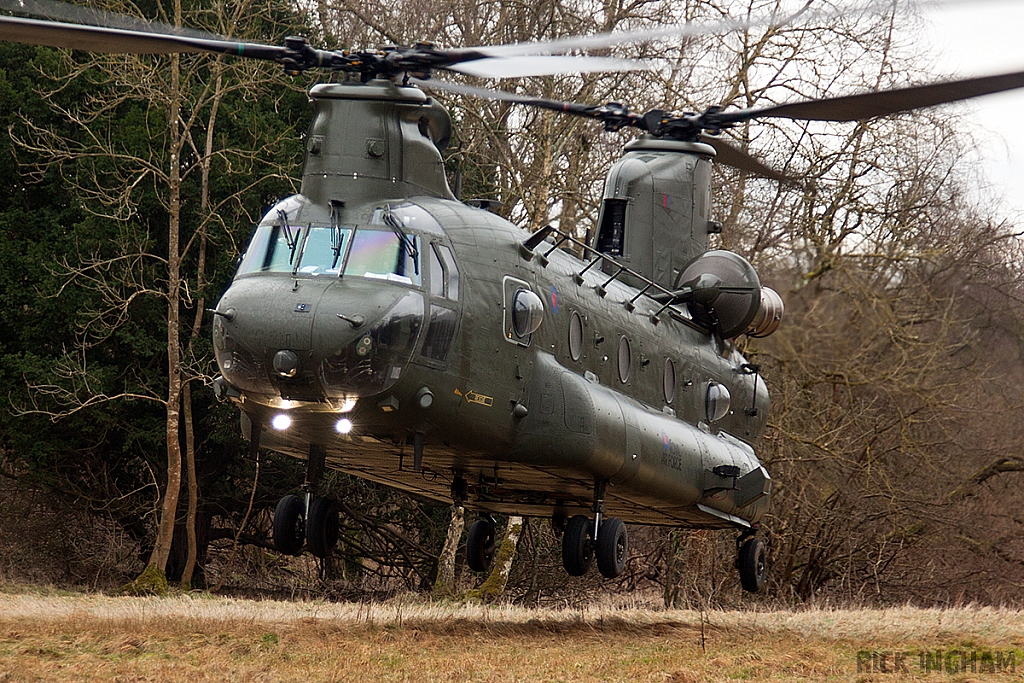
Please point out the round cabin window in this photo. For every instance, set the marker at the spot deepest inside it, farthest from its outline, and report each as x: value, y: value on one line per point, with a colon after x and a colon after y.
x: 624, y: 360
x: 527, y: 313
x: 669, y: 380
x: 717, y: 401
x: 575, y: 336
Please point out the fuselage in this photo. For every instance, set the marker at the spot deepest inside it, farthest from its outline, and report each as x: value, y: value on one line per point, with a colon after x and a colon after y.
x: 399, y: 325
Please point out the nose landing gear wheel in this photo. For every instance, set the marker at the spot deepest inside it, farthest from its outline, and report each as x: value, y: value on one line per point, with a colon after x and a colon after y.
x: 752, y: 564
x: 322, y: 527
x: 577, y: 547
x: 480, y: 545
x: 289, y: 525
x: 612, y: 548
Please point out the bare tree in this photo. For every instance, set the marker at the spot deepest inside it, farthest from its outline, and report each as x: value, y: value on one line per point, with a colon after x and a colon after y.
x: 177, y: 99
x: 893, y: 380
x: 881, y: 253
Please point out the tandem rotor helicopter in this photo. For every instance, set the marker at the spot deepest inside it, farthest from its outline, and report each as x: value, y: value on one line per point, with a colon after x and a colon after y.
x: 379, y: 326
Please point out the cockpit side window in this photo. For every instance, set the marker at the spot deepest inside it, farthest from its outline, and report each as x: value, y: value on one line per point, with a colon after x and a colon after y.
x: 386, y: 255
x: 272, y: 249
x: 451, y: 272
x: 443, y: 321
x: 436, y: 274
x: 444, y: 274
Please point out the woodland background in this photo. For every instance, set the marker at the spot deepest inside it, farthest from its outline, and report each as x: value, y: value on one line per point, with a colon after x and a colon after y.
x: 132, y: 183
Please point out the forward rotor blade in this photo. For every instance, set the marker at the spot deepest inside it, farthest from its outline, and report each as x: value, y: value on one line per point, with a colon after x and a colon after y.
x: 882, y: 103
x: 737, y: 158
x: 93, y: 16
x: 543, y: 65
x: 124, y: 41
x: 602, y: 40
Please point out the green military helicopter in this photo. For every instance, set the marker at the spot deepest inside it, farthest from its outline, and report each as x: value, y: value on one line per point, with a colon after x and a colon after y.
x: 379, y: 326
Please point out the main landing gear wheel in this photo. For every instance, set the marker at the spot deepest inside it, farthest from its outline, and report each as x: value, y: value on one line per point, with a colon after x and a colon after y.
x: 480, y: 545
x: 577, y: 546
x: 612, y: 548
x: 322, y: 527
x: 289, y: 525
x: 752, y: 564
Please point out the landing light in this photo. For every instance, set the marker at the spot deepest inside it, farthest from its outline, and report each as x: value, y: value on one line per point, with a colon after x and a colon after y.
x: 344, y: 425
x: 281, y: 422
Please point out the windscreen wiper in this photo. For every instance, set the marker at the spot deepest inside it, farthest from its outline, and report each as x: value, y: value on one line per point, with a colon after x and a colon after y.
x: 336, y: 239
x: 292, y: 238
x: 407, y: 242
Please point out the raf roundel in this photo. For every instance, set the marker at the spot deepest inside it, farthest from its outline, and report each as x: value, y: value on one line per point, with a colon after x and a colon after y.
x: 554, y: 299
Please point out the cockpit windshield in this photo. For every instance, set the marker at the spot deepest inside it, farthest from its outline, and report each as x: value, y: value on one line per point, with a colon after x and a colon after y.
x: 315, y: 248
x: 377, y: 252
x: 385, y: 254
x: 323, y: 250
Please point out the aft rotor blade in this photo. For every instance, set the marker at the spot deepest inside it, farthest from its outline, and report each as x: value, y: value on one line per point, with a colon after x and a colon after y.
x: 489, y: 94
x: 124, y: 41
x: 882, y: 103
x: 737, y: 158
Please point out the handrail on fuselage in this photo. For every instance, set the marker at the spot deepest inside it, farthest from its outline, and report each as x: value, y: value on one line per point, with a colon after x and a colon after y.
x: 528, y: 250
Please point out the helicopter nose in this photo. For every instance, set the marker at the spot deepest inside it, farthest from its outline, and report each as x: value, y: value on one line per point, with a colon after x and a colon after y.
x: 286, y: 363
x: 326, y: 339
x: 365, y: 356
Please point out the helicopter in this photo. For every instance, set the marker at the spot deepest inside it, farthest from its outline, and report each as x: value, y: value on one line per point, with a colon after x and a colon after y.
x: 379, y: 326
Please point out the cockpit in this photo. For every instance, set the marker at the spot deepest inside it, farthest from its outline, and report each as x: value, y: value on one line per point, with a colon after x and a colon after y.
x: 352, y: 311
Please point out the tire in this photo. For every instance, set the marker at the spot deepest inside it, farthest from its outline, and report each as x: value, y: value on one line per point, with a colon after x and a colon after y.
x: 612, y: 548
x: 480, y: 545
x: 322, y: 527
x: 752, y: 564
x: 577, y: 547
x: 289, y: 525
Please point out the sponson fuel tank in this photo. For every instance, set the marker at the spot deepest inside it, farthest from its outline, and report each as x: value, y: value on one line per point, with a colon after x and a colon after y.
x: 583, y: 426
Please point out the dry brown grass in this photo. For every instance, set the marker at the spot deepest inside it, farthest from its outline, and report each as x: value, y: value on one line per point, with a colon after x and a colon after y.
x: 200, y: 638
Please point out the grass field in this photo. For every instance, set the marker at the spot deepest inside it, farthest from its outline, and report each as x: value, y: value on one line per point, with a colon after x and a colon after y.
x: 201, y: 638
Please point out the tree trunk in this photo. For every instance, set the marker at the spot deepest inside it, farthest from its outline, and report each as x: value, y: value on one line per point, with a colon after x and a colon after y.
x: 494, y: 586
x: 193, y: 486
x: 444, y: 586
x: 169, y: 510
x: 190, y: 437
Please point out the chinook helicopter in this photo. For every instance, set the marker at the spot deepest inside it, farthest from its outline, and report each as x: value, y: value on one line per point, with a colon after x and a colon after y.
x: 379, y: 326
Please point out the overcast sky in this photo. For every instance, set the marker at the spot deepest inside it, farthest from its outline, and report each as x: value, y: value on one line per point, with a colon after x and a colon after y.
x: 982, y: 37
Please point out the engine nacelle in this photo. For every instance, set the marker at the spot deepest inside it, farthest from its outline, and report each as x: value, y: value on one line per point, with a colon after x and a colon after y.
x: 724, y: 294
x: 769, y: 314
